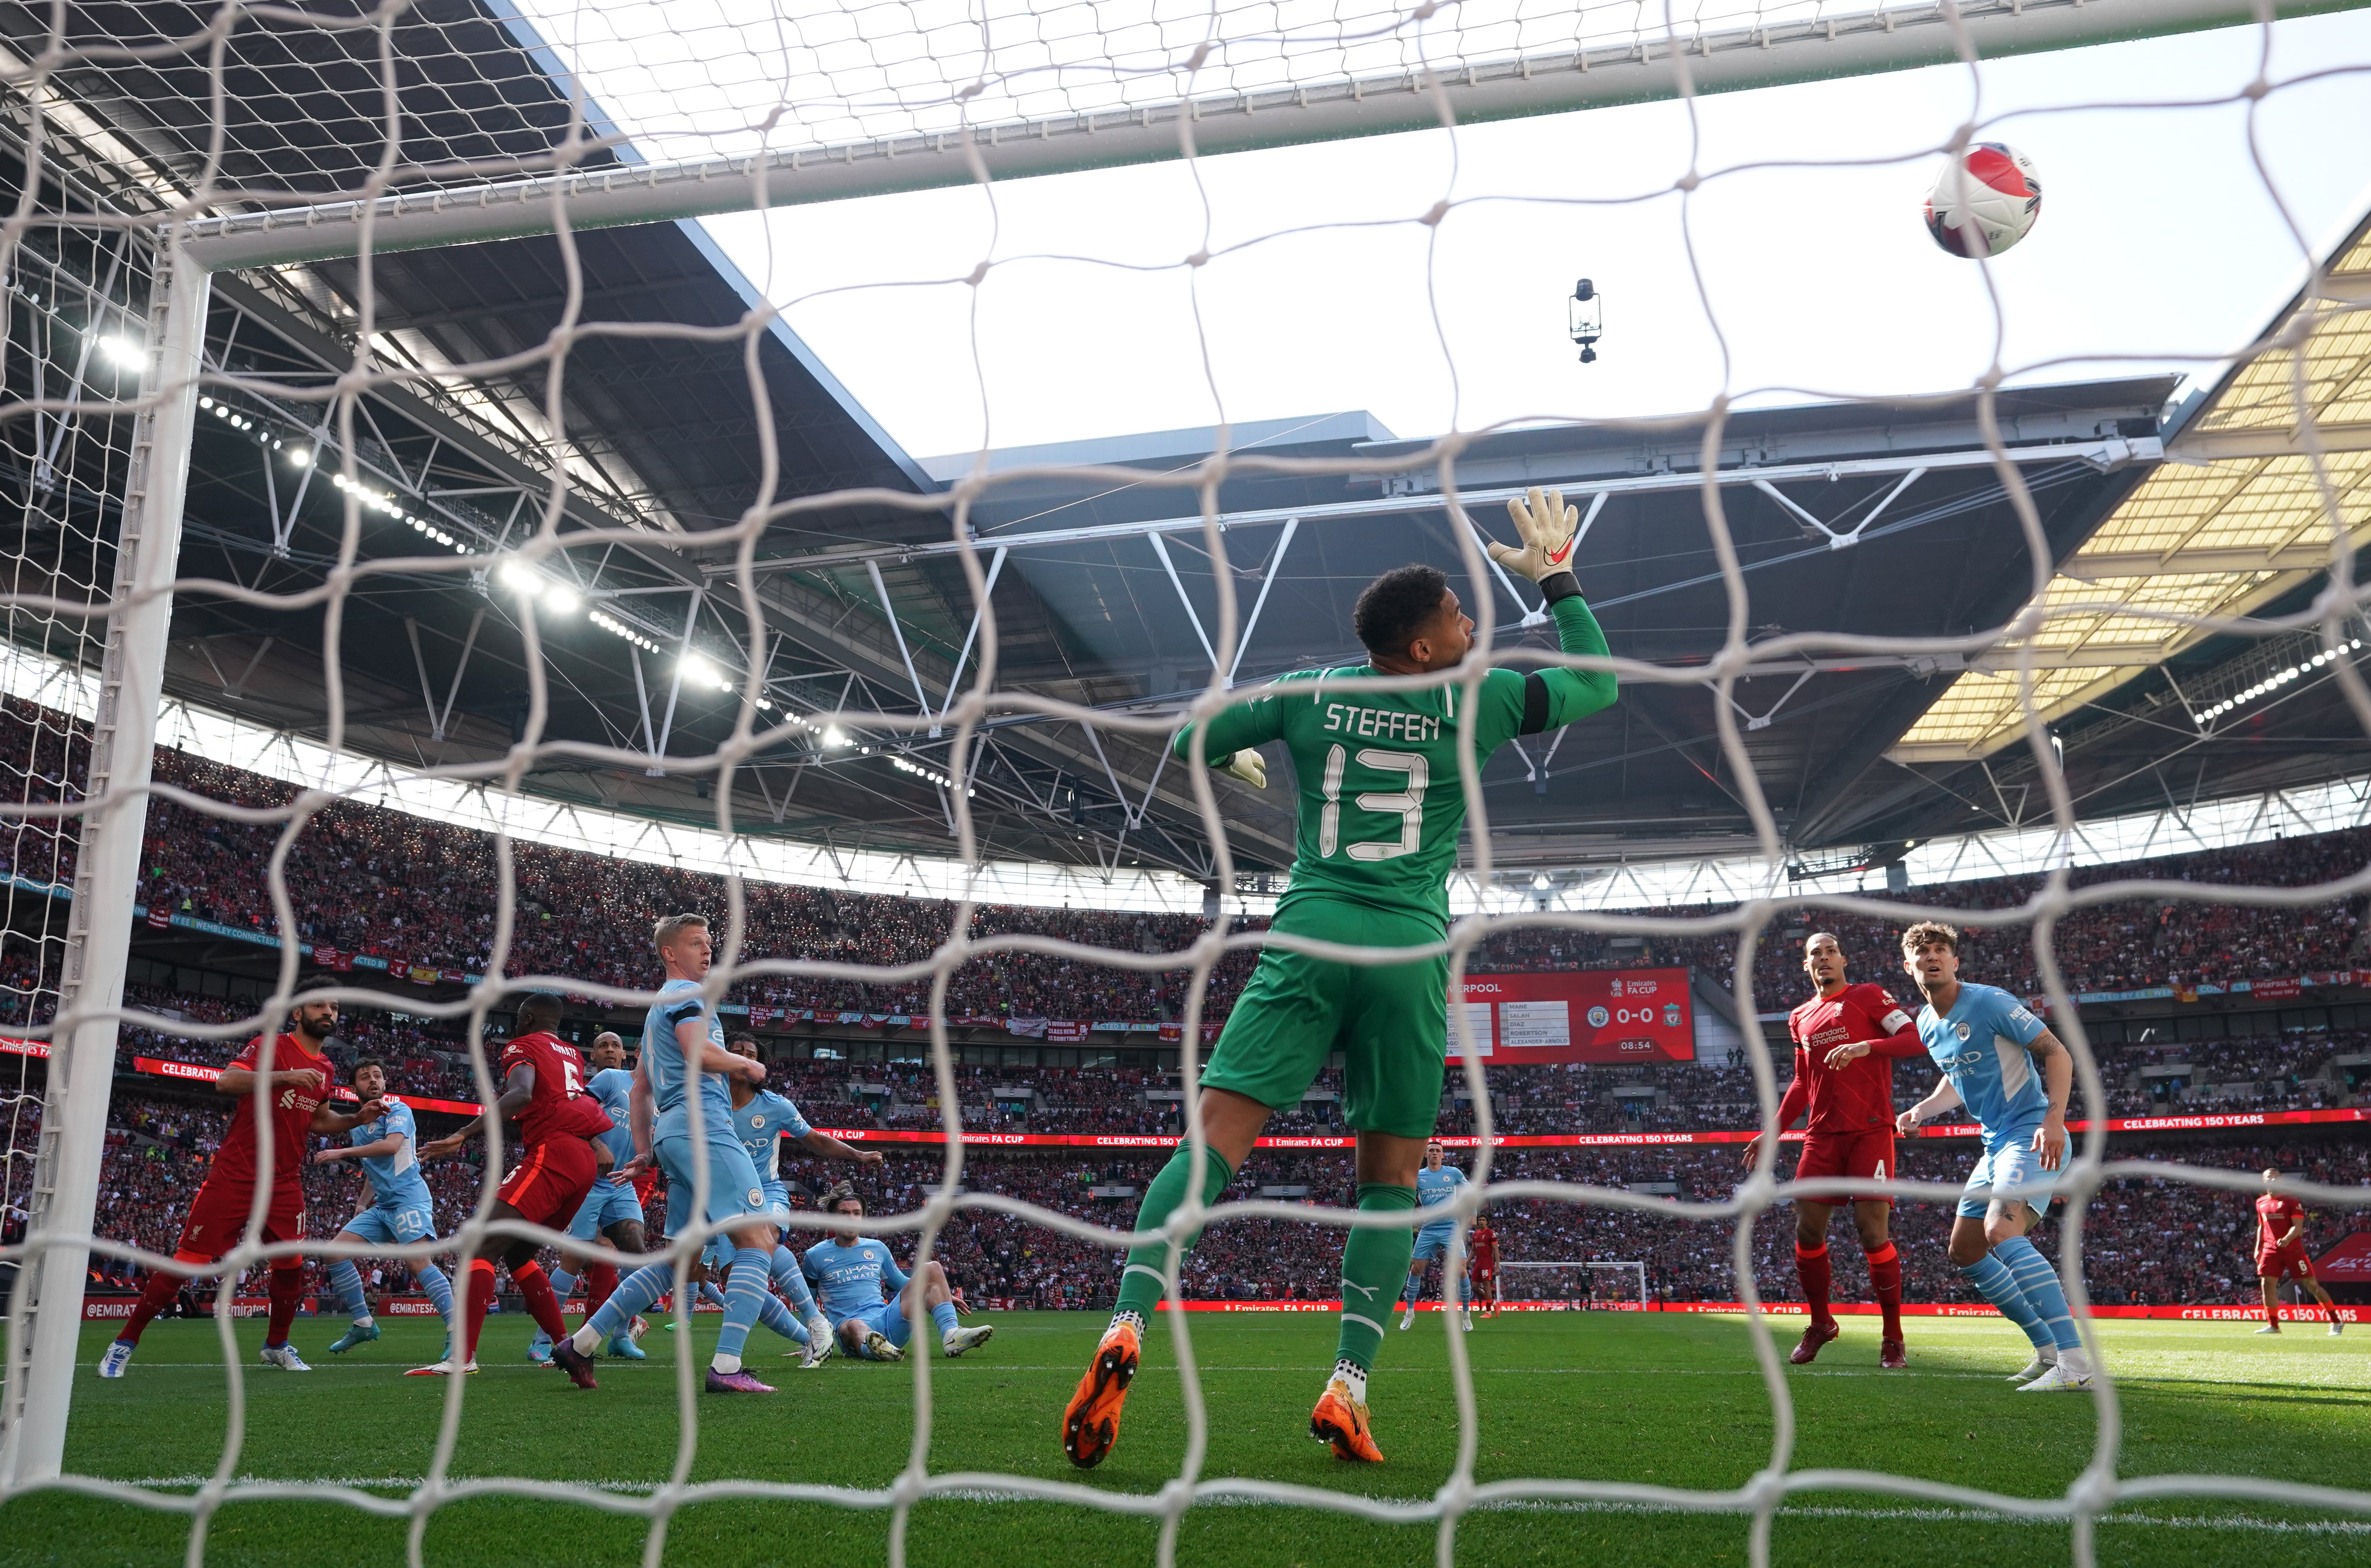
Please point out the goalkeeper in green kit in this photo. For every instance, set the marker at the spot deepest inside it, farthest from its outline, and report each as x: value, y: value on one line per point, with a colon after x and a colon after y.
x: 1381, y: 807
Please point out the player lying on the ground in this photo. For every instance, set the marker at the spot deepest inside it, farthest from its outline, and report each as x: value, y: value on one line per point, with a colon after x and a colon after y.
x: 850, y: 1271
x: 1846, y: 1040
x: 400, y: 1211
x: 293, y: 1079
x: 683, y: 1041
x: 610, y: 1221
x: 1435, y: 1183
x: 1988, y: 1044
x: 561, y: 1157
x: 1383, y: 801
x: 2280, y: 1249
x: 1482, y: 1246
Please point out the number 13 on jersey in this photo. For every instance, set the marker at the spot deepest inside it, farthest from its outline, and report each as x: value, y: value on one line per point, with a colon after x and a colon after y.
x: 1405, y: 803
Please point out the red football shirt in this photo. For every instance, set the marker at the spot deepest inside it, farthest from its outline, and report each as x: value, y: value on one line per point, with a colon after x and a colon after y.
x: 292, y: 1112
x: 1482, y: 1242
x: 559, y: 1108
x: 1861, y: 1096
x: 2275, y: 1212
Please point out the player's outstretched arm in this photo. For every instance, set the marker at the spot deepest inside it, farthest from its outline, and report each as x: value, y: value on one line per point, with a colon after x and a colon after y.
x: 825, y: 1146
x: 1939, y: 1099
x: 389, y: 1144
x: 1225, y: 742
x: 518, y: 1090
x: 2058, y: 1078
x: 327, y: 1121
x: 1790, y: 1104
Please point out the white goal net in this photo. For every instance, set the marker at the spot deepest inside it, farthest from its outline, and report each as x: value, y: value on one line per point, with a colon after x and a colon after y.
x: 247, y: 257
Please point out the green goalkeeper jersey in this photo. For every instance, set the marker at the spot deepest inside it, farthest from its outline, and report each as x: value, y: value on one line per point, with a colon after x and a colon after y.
x: 1381, y: 802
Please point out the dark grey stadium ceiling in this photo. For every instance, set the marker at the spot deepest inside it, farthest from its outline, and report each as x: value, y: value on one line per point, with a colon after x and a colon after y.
x: 666, y: 436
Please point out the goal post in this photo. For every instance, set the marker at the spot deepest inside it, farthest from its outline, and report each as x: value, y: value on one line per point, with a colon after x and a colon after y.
x: 45, y: 1326
x: 1629, y: 1268
x: 1624, y: 58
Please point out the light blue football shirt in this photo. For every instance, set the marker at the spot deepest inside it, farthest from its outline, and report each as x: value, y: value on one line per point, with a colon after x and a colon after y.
x: 1437, y: 1187
x: 1980, y: 1046
x: 679, y: 1001
x: 395, y: 1178
x: 612, y: 1088
x: 762, y: 1124
x: 847, y: 1280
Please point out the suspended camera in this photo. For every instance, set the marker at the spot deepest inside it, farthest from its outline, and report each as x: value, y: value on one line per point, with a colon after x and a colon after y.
x: 1588, y: 307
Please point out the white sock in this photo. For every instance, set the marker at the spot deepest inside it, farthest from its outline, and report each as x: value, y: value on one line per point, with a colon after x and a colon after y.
x: 365, y: 1321
x: 819, y: 1326
x: 725, y: 1364
x: 1350, y: 1372
x: 586, y: 1340
x: 2076, y: 1361
x: 1134, y: 1319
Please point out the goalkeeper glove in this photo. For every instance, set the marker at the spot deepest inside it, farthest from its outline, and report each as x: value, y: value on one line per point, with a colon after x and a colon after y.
x: 1546, y: 527
x: 1249, y: 766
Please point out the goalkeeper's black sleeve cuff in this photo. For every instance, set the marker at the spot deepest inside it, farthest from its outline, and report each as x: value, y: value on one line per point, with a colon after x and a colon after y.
x: 1560, y: 586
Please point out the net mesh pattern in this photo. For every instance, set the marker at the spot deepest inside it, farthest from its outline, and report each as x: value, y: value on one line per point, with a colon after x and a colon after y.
x: 201, y: 113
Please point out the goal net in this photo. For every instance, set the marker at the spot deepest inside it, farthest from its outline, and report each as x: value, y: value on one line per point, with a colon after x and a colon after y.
x: 374, y: 464
x: 1588, y: 1283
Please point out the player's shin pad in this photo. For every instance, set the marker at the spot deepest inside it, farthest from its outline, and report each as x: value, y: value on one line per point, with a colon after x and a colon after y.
x: 1140, y: 1285
x: 1373, y: 1263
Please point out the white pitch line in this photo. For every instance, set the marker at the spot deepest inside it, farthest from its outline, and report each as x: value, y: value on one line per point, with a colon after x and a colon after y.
x: 1537, y: 1505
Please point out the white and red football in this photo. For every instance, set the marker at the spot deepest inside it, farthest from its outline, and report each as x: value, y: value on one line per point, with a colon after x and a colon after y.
x: 1984, y: 201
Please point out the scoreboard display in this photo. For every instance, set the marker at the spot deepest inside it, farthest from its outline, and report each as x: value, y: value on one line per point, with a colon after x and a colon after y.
x: 1583, y: 1015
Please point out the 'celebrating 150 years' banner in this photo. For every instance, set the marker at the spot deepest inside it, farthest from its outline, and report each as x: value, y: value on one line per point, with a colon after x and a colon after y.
x: 1586, y: 1015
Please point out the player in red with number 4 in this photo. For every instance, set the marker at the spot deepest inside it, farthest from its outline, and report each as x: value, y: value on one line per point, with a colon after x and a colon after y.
x: 2280, y: 1249
x: 1482, y: 1250
x: 543, y: 1087
x: 1845, y: 1041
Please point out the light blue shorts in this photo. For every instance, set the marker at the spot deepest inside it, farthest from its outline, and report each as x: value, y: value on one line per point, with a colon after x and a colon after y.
x: 1432, y: 1242
x: 393, y: 1226
x: 887, y: 1318
x: 735, y: 1193
x: 603, y: 1206
x: 2009, y: 1163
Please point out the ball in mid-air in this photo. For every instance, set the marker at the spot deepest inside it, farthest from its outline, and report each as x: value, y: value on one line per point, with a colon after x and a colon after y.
x: 1984, y: 201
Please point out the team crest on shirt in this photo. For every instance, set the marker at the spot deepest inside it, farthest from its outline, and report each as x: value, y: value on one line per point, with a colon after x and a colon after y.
x: 758, y: 1120
x: 1961, y: 1029
x: 757, y: 1197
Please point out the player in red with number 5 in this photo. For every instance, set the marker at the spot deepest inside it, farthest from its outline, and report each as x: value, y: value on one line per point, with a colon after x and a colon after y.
x: 1482, y: 1248
x: 1845, y: 1041
x: 543, y: 1087
x: 2280, y: 1249
x: 296, y: 1075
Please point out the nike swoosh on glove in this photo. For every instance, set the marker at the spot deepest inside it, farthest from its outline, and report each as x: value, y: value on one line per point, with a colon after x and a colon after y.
x: 1546, y: 526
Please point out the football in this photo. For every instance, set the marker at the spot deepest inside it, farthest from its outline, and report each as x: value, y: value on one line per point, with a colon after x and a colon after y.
x: 1984, y: 201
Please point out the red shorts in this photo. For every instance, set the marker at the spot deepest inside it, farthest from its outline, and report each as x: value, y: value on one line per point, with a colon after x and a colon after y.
x: 1868, y: 1153
x: 548, y: 1186
x: 1485, y: 1272
x: 217, y: 1217
x: 2290, y: 1261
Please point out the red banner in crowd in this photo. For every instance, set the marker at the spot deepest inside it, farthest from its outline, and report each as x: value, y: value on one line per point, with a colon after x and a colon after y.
x: 2349, y: 1262
x: 197, y: 1073
x: 1586, y: 1015
x: 2287, y: 989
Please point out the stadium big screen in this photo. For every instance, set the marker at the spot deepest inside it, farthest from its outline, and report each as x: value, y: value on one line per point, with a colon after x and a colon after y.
x: 1589, y: 1015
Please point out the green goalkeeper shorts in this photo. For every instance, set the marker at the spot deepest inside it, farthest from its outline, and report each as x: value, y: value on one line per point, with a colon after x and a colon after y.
x: 1390, y: 1021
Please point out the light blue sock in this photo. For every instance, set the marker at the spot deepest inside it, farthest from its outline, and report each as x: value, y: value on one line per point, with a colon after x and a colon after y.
x: 744, y: 1296
x: 347, y: 1281
x: 440, y: 1292
x: 1996, y: 1285
x: 777, y: 1317
x: 709, y: 1293
x: 635, y: 1293
x: 793, y: 1282
x: 1414, y: 1291
x: 563, y: 1285
x: 2039, y: 1281
x: 944, y: 1314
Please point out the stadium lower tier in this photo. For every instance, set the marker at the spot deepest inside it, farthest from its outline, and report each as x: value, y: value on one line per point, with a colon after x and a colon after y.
x: 2148, y: 1240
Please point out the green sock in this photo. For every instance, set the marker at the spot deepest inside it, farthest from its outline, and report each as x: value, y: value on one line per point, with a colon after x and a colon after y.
x: 1374, y: 1264
x: 1146, y: 1280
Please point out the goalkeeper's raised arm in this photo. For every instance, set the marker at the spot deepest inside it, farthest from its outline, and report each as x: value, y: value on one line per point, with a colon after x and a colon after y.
x: 1380, y: 805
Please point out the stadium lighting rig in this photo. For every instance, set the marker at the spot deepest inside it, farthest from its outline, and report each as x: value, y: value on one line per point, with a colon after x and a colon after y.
x: 2274, y: 682
x: 905, y: 764
x: 387, y: 505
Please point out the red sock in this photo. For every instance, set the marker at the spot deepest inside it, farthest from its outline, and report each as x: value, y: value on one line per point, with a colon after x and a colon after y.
x: 155, y: 1296
x: 600, y: 1283
x: 481, y: 1301
x: 1885, y: 1280
x: 287, y: 1293
x: 1811, y: 1264
x: 2329, y: 1312
x: 542, y: 1304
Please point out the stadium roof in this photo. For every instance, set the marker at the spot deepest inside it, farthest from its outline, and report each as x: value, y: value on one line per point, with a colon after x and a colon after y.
x: 1876, y: 518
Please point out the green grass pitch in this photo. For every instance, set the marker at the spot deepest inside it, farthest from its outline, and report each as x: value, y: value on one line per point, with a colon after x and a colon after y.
x: 1669, y: 1400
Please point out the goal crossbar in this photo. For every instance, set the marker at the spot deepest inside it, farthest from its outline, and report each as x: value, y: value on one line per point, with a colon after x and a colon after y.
x: 1653, y: 63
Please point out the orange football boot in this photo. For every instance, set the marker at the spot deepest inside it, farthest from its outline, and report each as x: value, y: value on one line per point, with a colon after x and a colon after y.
x: 1091, y: 1425
x: 1342, y: 1421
